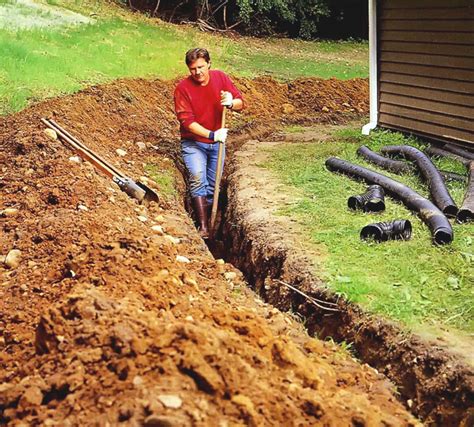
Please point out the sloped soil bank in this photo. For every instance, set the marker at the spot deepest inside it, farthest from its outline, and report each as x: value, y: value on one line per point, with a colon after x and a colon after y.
x: 437, y: 384
x: 117, y: 313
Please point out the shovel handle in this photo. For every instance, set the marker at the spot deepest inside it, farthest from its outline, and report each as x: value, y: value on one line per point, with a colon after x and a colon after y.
x: 57, y: 128
x: 218, y: 177
x: 81, y: 152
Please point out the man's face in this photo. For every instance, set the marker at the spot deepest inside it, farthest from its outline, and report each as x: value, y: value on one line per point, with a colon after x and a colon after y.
x: 199, y: 70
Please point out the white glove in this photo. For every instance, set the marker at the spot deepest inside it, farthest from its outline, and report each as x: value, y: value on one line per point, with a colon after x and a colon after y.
x: 220, y: 135
x: 227, y: 99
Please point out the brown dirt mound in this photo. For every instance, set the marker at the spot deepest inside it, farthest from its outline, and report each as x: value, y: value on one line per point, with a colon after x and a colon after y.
x: 104, y: 320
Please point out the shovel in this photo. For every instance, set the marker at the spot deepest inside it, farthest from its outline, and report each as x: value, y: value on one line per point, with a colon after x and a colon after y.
x: 218, y: 181
x: 135, y: 190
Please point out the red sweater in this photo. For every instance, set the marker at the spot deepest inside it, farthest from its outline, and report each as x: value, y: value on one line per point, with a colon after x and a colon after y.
x: 202, y: 104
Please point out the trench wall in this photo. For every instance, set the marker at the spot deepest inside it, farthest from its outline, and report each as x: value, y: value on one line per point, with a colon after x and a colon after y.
x: 431, y: 382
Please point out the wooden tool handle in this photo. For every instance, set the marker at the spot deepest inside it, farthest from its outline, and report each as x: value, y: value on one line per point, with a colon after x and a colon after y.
x: 81, y: 152
x: 57, y: 128
x: 218, y: 178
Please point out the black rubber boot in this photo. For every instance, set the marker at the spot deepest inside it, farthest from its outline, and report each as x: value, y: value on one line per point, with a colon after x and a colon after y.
x: 201, y: 210
x: 371, y: 201
x: 399, y: 229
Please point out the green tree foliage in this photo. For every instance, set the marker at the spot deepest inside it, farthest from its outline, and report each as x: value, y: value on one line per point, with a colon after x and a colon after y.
x: 297, y: 18
x: 305, y: 19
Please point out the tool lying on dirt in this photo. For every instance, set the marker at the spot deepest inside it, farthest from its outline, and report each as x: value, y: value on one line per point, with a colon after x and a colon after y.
x: 218, y: 181
x: 136, y: 190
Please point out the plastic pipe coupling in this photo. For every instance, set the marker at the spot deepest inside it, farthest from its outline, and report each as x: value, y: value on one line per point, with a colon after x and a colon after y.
x: 371, y: 201
x: 399, y: 229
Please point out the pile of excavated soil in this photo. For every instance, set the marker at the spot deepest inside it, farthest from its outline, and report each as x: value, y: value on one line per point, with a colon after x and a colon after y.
x: 116, y: 312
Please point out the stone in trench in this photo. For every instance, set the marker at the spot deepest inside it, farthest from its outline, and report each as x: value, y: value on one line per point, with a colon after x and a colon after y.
x: 170, y: 401
x: 120, y: 152
x: 243, y: 401
x: 288, y: 109
x: 188, y: 280
x: 183, y: 259
x: 51, y: 133
x: 158, y: 229
x: 159, y: 218
x: 230, y: 275
x: 13, y: 258
x: 172, y: 239
x: 9, y: 212
x: 141, y: 145
x: 32, y: 396
x: 75, y: 159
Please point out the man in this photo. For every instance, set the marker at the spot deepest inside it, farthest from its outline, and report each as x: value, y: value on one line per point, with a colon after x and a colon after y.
x: 199, y: 100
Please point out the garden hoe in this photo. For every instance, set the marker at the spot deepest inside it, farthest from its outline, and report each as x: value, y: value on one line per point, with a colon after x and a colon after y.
x: 136, y: 190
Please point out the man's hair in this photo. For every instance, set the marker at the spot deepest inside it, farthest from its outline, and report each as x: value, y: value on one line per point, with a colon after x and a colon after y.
x: 196, y: 53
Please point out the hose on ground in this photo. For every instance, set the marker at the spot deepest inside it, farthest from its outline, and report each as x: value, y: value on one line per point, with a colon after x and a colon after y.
x: 437, y: 222
x: 428, y: 170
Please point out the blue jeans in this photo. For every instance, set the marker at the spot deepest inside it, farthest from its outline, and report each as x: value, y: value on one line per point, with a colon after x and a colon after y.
x: 201, y: 163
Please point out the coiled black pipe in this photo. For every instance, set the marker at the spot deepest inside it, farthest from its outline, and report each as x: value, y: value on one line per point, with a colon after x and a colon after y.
x: 466, y: 212
x: 438, y: 190
x: 438, y: 152
x: 459, y: 151
x: 439, y: 225
x: 399, y: 167
x: 396, y: 166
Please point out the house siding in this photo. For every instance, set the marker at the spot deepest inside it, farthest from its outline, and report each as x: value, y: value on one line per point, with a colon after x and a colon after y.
x: 426, y: 68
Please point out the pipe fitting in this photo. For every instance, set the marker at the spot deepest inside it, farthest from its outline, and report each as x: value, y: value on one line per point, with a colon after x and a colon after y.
x: 399, y: 229
x: 373, y: 200
x: 430, y: 214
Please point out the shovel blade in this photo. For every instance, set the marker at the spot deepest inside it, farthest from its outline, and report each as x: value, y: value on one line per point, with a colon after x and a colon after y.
x: 129, y: 187
x: 150, y: 195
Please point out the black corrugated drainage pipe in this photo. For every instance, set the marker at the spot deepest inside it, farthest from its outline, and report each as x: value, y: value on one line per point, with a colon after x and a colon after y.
x: 459, y: 151
x: 396, y: 166
x: 466, y: 213
x: 399, y: 229
x: 438, y: 152
x: 438, y: 190
x: 452, y: 176
x: 439, y: 225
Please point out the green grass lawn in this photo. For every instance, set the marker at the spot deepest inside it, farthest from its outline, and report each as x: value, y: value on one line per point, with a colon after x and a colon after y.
x: 37, y: 63
x: 412, y: 281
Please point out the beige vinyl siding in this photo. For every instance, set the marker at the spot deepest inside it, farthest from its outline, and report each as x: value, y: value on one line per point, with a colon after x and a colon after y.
x: 426, y: 68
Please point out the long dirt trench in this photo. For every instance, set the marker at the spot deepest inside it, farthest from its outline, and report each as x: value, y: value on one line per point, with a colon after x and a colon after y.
x: 118, y: 313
